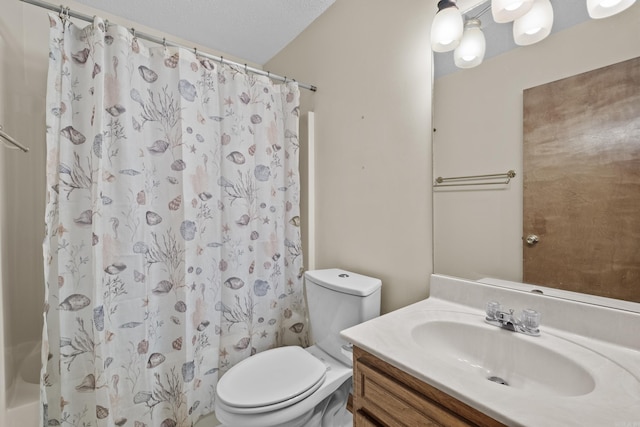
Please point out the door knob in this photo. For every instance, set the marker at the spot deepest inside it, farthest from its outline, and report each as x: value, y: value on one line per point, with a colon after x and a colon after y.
x: 532, y: 239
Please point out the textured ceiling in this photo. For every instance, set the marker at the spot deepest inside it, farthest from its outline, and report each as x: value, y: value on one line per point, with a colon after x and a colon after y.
x: 253, y: 30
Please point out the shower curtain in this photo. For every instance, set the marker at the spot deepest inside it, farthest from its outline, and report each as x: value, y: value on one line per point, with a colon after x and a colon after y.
x: 172, y: 246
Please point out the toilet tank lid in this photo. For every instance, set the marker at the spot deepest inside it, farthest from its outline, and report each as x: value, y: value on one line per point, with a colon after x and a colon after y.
x: 344, y: 281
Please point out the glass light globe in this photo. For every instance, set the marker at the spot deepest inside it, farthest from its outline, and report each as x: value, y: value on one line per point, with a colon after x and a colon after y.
x: 535, y: 25
x: 509, y: 10
x: 470, y: 51
x: 604, y: 8
x: 446, y: 29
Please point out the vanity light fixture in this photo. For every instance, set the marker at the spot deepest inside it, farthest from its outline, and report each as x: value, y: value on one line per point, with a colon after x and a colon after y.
x: 604, y: 8
x: 470, y: 51
x: 447, y: 27
x: 535, y: 25
x: 509, y: 10
x: 532, y: 22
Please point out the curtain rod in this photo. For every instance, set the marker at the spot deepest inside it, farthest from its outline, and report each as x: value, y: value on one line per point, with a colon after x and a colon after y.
x: 68, y: 12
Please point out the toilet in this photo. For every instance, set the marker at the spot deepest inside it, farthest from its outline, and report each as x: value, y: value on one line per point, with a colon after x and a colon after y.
x: 293, y: 386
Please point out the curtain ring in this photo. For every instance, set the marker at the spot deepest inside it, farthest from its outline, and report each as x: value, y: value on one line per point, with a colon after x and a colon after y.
x: 133, y: 32
x: 221, y: 59
x: 164, y: 42
x: 106, y: 25
x: 64, y: 13
x: 67, y: 12
x: 195, y: 52
x: 245, y: 68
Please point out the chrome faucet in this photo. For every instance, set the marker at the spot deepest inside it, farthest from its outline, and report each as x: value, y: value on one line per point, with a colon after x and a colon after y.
x: 528, y: 323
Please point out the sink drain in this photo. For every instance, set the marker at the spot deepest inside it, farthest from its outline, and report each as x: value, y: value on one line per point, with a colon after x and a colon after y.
x: 498, y: 380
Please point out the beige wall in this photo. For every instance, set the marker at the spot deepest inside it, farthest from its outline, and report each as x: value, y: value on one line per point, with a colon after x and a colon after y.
x: 478, y: 117
x: 371, y: 61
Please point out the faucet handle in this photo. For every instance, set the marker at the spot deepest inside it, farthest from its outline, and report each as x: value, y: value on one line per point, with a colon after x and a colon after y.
x: 530, y: 319
x: 492, y: 309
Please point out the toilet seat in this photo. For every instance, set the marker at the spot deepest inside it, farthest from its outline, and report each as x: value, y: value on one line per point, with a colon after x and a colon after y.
x: 270, y: 380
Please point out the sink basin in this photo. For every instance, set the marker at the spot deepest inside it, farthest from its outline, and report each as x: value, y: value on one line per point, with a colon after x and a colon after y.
x: 504, y: 358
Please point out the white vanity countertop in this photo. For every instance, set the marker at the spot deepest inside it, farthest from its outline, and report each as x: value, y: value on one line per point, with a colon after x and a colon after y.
x: 613, y: 360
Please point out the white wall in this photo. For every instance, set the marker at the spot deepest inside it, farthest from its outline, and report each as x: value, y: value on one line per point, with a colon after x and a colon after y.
x: 371, y: 61
x: 478, y: 121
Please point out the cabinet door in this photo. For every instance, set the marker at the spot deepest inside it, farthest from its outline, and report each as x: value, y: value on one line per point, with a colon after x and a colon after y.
x: 389, y: 397
x: 397, y: 405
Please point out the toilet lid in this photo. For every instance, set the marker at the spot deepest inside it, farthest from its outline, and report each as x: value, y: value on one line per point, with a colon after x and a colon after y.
x: 276, y: 376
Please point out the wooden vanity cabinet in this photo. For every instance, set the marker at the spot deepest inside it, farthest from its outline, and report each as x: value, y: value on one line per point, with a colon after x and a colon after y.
x: 387, y: 396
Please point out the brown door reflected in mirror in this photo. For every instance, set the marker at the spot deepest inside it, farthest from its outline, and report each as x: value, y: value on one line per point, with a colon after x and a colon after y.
x: 581, y: 182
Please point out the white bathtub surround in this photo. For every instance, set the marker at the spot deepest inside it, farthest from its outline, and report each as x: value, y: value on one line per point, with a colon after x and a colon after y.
x: 583, y: 370
x: 23, y: 408
x: 208, y: 420
x: 172, y: 243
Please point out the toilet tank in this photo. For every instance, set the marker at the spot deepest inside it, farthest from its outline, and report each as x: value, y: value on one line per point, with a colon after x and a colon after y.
x: 337, y: 300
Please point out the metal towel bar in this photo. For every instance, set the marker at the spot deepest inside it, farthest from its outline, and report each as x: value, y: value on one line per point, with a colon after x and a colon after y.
x: 488, y: 179
x: 12, y: 141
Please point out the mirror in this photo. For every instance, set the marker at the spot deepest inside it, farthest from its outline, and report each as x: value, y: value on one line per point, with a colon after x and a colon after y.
x: 478, y: 129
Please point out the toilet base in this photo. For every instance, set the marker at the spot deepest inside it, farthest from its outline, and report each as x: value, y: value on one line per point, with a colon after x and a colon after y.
x: 332, y: 412
x: 326, y: 407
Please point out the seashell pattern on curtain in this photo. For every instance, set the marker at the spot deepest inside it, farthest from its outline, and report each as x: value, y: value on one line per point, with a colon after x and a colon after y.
x: 172, y: 246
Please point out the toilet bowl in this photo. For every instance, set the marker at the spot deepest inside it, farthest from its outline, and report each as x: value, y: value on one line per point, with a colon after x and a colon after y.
x: 289, y: 401
x: 294, y: 387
